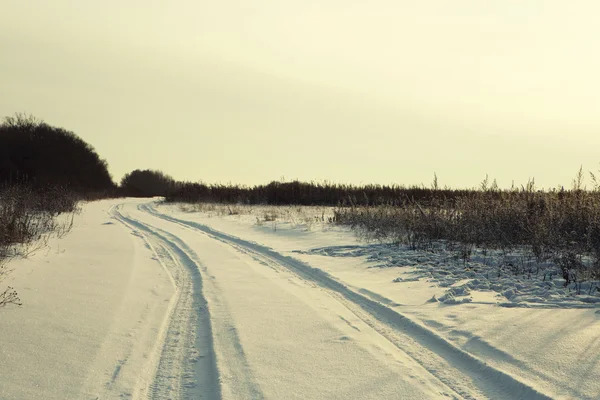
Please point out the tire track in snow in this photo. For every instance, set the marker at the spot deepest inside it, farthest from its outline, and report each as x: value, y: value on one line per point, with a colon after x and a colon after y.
x: 186, y: 367
x: 234, y: 359
x: 203, y: 381
x: 469, y: 376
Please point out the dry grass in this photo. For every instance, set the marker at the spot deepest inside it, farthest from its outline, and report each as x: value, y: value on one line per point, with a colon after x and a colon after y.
x: 305, y: 217
x: 550, y: 226
x: 27, y: 221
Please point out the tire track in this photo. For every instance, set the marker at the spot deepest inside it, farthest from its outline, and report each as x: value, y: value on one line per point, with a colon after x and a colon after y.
x: 190, y: 360
x: 467, y: 375
x: 186, y: 368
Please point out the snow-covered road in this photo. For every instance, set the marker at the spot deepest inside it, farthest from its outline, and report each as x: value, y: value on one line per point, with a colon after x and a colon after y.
x: 210, y: 314
x: 275, y: 330
x: 281, y: 328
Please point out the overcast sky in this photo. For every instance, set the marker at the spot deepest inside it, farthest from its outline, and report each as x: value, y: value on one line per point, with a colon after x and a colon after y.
x: 341, y: 90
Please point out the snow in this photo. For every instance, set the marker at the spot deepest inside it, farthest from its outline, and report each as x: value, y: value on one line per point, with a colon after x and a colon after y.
x: 146, y: 300
x: 94, y: 306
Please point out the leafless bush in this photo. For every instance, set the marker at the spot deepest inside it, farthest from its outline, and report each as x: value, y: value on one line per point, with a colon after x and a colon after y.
x: 27, y: 221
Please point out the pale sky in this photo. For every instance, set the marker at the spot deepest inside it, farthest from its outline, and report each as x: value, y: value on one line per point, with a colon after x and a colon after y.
x: 347, y: 91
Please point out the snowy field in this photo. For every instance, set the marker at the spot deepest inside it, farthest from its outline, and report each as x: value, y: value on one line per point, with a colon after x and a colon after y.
x: 149, y: 301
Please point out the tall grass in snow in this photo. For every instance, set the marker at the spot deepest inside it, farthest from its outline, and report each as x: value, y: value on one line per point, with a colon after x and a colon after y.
x: 560, y: 226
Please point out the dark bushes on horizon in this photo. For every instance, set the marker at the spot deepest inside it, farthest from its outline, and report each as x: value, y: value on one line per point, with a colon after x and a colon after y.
x: 42, y: 156
x: 146, y: 183
x: 307, y: 194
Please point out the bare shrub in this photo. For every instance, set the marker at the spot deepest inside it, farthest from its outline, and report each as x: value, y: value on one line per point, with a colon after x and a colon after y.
x: 27, y: 221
